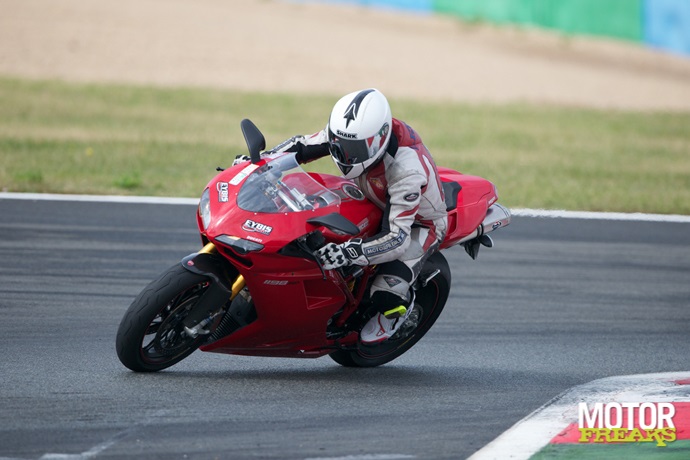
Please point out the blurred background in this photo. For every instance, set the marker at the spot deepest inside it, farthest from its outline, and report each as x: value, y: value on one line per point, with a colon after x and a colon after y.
x: 569, y: 104
x: 663, y: 24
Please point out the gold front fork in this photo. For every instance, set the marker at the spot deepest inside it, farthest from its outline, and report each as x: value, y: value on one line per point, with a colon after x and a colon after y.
x: 210, y: 248
x: 239, y: 283
x: 237, y: 286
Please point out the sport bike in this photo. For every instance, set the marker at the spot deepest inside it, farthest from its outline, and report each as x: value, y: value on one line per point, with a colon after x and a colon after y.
x: 256, y: 287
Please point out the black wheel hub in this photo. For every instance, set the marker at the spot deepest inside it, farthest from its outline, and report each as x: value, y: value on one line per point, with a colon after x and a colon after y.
x: 170, y: 338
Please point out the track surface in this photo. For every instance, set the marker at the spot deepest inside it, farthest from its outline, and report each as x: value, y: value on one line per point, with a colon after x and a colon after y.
x: 557, y: 303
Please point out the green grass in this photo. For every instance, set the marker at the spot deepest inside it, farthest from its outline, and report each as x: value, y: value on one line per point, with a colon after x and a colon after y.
x: 133, y: 140
x: 675, y: 450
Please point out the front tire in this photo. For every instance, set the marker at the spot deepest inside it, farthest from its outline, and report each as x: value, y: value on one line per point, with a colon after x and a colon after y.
x: 429, y: 303
x: 151, y: 335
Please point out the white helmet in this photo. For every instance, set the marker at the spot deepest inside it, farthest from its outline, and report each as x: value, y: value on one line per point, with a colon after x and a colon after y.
x: 359, y: 130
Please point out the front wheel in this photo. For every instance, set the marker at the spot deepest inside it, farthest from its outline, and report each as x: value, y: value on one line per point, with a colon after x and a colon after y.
x: 429, y: 302
x: 151, y: 335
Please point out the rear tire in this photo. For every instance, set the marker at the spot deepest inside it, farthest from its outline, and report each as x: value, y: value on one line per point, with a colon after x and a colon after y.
x: 151, y: 334
x: 428, y: 305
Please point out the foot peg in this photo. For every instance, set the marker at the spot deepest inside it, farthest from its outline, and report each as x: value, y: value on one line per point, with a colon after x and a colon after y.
x: 472, y: 246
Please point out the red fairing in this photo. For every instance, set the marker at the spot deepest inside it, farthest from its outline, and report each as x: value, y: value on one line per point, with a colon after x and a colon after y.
x: 293, y: 299
x: 474, y: 199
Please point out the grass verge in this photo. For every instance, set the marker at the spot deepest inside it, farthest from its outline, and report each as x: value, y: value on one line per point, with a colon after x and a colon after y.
x: 112, y: 139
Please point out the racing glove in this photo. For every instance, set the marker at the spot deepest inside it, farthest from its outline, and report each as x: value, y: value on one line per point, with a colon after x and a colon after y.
x: 340, y: 255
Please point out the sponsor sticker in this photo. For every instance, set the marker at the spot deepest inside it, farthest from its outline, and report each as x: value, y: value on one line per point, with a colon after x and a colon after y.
x: 243, y: 174
x: 386, y: 246
x: 345, y: 135
x: 412, y: 197
x: 252, y: 226
x: 376, y: 182
x: 392, y: 281
x: 222, y: 188
x: 253, y: 238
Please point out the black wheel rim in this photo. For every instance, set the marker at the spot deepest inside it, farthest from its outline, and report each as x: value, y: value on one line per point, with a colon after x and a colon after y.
x: 410, y: 325
x: 165, y: 339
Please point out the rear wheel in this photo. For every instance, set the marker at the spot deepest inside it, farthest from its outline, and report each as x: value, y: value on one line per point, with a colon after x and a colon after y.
x: 429, y: 303
x: 151, y: 335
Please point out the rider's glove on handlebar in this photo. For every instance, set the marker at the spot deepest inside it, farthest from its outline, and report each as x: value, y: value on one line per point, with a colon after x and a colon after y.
x: 340, y: 255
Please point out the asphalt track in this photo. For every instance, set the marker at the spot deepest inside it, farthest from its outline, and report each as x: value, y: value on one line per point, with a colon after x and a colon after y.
x: 557, y: 303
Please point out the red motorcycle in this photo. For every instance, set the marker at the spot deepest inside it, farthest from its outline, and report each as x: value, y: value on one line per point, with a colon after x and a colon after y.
x: 257, y: 288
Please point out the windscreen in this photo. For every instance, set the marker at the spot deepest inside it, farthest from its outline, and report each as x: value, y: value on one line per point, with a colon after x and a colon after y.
x: 281, y: 185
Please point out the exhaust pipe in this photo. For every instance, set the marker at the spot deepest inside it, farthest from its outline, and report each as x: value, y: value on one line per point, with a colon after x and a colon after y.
x: 496, y: 217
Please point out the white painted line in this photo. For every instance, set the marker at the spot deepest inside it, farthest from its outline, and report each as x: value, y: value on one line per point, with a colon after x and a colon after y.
x: 635, y: 216
x: 91, y: 453
x: 531, y: 434
x: 552, y: 214
x: 98, y: 198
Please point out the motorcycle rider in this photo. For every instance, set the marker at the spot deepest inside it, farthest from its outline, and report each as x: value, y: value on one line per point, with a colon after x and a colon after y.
x: 386, y: 158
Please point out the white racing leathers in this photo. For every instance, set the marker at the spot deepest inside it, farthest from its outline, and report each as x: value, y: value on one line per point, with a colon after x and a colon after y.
x: 407, y: 187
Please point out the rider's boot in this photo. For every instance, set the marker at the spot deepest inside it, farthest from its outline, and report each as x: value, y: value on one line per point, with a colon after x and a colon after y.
x: 383, y: 326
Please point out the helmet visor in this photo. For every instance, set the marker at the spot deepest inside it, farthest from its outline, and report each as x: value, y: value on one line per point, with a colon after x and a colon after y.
x: 348, y: 151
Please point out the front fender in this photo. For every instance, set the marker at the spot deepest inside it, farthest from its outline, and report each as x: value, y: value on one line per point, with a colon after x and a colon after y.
x: 212, y: 265
x: 226, y: 282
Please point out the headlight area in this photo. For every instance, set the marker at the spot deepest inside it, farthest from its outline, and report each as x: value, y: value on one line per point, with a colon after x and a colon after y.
x: 205, y: 208
x: 241, y: 246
